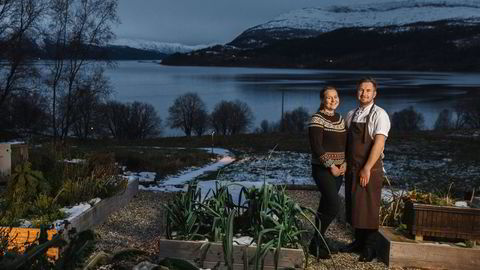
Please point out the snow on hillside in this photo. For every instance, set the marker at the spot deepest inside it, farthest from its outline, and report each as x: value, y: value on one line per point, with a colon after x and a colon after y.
x: 374, y: 15
x: 163, y: 47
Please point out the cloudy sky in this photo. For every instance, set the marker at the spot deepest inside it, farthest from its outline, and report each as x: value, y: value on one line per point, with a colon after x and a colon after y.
x: 195, y: 22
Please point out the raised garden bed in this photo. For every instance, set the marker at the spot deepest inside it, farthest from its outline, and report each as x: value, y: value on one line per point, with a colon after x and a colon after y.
x: 211, y: 254
x: 100, y: 211
x: 19, y: 238
x: 442, y: 221
x: 396, y: 250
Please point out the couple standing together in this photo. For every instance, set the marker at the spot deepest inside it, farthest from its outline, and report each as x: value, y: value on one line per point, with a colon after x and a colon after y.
x: 352, y: 148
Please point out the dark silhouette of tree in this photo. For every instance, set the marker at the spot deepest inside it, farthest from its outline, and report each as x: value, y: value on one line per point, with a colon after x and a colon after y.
x: 231, y: 117
x: 130, y: 121
x: 76, y: 28
x: 296, y: 120
x: 25, y: 113
x: 468, y: 113
x: 87, y: 97
x: 18, y: 25
x: 200, y: 124
x: 407, y: 120
x: 265, y: 127
x: 188, y: 114
x: 444, y: 120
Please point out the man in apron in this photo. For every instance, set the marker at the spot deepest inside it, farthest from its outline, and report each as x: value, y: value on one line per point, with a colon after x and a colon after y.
x: 368, y: 128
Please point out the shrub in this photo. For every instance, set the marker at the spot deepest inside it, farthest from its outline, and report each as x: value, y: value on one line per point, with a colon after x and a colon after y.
x: 98, y: 176
x: 407, y: 120
x: 296, y: 120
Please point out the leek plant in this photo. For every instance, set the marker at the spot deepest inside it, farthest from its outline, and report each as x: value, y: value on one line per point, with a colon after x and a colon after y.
x: 267, y: 214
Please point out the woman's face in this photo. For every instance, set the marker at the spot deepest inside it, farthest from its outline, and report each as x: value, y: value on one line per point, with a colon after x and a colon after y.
x: 330, y: 100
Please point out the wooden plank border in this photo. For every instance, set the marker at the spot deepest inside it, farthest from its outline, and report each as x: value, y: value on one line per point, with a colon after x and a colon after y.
x: 210, y: 254
x: 398, y: 251
x: 100, y: 211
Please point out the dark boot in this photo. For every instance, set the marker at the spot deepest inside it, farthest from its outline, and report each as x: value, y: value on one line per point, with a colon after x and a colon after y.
x: 318, y: 250
x: 358, y: 244
x: 368, y: 254
x: 355, y: 246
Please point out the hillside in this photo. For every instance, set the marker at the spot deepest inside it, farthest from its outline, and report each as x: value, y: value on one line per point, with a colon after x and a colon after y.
x: 442, y: 45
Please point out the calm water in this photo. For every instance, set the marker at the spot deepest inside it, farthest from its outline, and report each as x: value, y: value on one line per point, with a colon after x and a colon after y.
x: 262, y: 88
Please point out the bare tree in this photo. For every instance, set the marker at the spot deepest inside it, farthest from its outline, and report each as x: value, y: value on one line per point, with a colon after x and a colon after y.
x: 200, y: 124
x: 229, y: 118
x: 468, y: 113
x: 407, y: 120
x: 188, y: 113
x: 18, y: 25
x: 131, y: 121
x: 296, y: 120
x: 77, y: 26
x: 87, y: 97
x: 114, y: 119
x: 444, y: 120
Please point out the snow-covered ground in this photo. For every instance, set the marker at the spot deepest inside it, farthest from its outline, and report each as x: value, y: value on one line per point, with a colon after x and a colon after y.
x: 398, y: 13
x: 163, y: 47
x: 292, y: 168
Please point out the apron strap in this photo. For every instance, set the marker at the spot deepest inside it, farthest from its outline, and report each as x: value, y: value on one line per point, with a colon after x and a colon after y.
x: 365, y: 130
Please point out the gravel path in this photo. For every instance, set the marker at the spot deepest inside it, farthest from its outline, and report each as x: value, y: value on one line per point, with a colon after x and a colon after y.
x: 140, y: 225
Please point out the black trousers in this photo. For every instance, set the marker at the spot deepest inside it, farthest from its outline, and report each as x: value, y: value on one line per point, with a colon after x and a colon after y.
x: 328, y: 185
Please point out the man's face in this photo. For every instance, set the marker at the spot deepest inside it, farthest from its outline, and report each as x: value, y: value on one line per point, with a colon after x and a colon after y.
x: 366, y: 92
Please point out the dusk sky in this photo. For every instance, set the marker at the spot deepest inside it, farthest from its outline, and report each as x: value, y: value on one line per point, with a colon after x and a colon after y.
x: 194, y: 22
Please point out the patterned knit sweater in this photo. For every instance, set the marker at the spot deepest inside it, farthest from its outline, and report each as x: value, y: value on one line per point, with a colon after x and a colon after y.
x: 328, y: 138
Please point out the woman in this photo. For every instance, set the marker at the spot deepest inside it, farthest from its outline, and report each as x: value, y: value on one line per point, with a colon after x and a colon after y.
x: 328, y: 136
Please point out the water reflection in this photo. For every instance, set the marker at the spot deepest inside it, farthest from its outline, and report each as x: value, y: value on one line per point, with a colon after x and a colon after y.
x: 261, y: 88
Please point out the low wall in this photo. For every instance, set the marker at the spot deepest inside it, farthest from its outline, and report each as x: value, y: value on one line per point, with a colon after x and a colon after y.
x: 100, y: 211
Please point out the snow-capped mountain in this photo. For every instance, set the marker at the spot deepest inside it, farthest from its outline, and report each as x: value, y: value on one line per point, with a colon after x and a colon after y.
x: 309, y: 22
x: 162, y: 47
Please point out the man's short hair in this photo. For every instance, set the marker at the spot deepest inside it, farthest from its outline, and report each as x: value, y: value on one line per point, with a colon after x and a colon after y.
x: 367, y: 79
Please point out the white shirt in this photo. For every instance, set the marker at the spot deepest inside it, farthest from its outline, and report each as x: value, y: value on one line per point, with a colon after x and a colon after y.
x: 379, y: 121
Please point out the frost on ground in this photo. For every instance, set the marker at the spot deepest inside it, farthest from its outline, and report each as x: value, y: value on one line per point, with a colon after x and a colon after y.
x: 407, y: 165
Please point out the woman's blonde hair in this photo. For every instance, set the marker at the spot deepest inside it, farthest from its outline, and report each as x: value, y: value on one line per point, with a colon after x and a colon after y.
x: 322, y: 94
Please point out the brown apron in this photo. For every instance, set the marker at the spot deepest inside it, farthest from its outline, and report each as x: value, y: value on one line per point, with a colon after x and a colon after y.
x: 362, y: 203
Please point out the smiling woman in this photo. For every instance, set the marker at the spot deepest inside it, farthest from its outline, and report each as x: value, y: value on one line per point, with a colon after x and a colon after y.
x: 327, y: 135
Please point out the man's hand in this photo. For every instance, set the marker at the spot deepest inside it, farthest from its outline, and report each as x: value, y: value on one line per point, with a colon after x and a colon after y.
x: 364, y: 175
x: 335, y: 170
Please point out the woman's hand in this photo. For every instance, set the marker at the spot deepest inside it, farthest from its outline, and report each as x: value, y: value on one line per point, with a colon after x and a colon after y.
x: 335, y: 170
x: 343, y: 168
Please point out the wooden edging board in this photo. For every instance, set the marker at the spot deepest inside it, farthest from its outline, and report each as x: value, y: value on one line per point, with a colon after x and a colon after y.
x: 396, y: 250
x: 100, y: 211
x: 208, y: 255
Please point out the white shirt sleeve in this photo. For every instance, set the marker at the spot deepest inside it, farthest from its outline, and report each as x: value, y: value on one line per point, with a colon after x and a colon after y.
x: 380, y: 123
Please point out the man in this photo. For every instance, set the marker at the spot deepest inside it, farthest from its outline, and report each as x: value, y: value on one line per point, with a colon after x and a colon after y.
x: 368, y: 128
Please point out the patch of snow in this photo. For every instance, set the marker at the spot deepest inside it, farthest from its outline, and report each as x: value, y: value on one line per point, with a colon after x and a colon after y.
x: 461, y: 204
x: 74, y: 161
x: 94, y: 201
x: 162, y: 47
x: 25, y: 223
x: 143, y: 177
x: 71, y: 213
x: 13, y: 142
x: 243, y: 241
